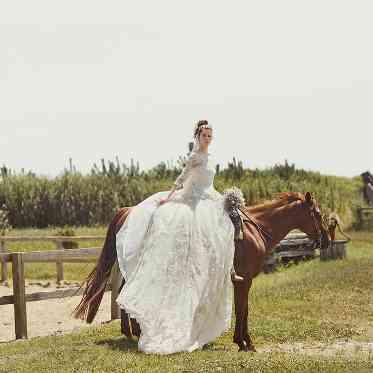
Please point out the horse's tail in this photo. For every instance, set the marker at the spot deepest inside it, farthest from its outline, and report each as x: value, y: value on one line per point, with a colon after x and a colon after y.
x: 97, y: 280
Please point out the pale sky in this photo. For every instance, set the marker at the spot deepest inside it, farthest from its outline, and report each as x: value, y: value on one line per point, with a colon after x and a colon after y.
x: 98, y: 79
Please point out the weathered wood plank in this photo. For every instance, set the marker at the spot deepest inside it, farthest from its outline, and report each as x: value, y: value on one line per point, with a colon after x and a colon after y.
x: 63, y: 255
x: 6, y: 257
x: 43, y: 295
x: 3, y: 262
x: 294, y: 242
x: 7, y: 299
x: 19, y: 295
x: 57, y: 294
x: 87, y: 259
x: 59, y: 264
x: 295, y: 253
x: 51, y: 238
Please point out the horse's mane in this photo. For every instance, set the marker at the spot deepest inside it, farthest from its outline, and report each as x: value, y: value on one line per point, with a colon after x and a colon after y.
x: 280, y: 200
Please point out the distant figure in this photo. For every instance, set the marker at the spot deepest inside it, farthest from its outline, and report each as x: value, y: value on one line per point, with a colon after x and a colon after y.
x: 368, y: 187
x: 333, y: 222
x: 369, y: 193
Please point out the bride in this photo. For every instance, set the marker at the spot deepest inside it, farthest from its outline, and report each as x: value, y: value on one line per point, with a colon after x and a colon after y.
x: 175, y: 251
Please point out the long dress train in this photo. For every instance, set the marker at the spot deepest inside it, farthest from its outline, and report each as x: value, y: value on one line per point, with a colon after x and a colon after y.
x: 176, y: 259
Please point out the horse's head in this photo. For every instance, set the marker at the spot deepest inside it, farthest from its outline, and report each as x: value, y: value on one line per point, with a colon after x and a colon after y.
x: 313, y: 223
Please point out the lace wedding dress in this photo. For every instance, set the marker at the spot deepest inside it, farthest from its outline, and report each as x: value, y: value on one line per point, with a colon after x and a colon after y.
x: 176, y: 259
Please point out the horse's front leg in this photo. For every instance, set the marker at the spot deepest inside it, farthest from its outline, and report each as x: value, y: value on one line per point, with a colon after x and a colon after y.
x: 249, y: 344
x: 240, y: 299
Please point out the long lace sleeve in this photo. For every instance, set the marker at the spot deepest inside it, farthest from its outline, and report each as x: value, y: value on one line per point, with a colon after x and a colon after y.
x: 191, y: 162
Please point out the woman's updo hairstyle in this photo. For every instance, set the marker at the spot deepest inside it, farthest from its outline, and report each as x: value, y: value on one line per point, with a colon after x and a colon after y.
x: 201, y: 124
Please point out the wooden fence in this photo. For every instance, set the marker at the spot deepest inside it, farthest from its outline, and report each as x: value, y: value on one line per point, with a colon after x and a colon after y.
x: 58, y: 241
x: 294, y: 247
x: 20, y: 298
x: 297, y: 247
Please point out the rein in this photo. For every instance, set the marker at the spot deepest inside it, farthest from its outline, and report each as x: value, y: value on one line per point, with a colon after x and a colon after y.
x: 266, y: 236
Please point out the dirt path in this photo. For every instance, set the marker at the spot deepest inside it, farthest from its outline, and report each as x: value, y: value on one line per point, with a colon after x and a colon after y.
x: 339, y: 348
x: 47, y: 317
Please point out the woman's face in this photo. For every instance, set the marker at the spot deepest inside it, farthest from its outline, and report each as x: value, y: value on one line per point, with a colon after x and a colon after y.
x: 205, y: 137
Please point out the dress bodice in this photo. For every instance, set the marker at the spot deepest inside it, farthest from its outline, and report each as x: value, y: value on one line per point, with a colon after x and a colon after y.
x: 197, y: 177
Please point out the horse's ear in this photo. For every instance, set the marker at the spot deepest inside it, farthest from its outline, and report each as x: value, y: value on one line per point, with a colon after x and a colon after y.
x: 308, y: 198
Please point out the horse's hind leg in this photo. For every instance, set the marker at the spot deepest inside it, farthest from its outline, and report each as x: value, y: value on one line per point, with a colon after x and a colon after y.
x: 124, y: 319
x: 129, y: 326
x: 125, y: 324
x: 136, y: 331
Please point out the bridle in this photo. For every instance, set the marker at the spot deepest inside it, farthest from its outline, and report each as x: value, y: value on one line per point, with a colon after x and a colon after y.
x: 313, y: 210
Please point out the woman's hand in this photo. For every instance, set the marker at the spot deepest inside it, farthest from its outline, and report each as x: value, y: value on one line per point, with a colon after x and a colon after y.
x: 163, y: 200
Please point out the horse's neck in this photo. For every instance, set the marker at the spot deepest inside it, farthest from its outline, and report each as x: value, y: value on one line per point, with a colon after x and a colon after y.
x: 279, y: 221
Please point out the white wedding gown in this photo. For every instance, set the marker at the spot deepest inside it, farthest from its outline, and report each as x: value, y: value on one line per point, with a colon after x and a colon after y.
x: 176, y: 259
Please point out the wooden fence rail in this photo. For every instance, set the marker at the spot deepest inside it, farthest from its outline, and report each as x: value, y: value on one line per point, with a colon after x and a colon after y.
x: 294, y: 247
x: 58, y: 241
x: 20, y: 298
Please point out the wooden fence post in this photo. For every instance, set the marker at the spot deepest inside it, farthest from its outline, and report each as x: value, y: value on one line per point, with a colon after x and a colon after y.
x: 19, y: 296
x: 59, y: 264
x: 4, y: 265
x: 116, y: 280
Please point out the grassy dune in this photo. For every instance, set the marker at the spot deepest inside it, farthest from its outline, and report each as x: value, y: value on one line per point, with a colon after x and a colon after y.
x: 73, y: 198
x: 307, y: 303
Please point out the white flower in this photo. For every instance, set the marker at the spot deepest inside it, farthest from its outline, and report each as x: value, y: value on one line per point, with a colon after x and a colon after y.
x: 233, y: 198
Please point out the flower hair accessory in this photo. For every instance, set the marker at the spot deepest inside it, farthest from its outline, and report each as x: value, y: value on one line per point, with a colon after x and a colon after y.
x: 200, y: 125
x: 233, y: 200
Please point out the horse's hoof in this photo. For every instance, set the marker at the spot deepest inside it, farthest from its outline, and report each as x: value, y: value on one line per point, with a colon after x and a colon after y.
x: 251, y: 348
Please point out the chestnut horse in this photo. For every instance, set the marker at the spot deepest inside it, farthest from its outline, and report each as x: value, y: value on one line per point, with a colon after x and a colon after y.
x: 264, y: 226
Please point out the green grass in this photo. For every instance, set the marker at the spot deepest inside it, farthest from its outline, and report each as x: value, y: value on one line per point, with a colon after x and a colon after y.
x: 310, y: 302
x: 103, y: 349
x: 325, y: 300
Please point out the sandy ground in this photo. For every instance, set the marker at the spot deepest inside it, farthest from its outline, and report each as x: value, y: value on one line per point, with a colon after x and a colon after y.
x: 336, y: 349
x: 47, y: 317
